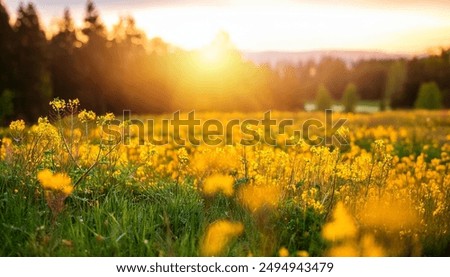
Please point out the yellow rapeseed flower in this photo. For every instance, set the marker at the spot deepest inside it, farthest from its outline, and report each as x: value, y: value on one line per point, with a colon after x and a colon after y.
x: 342, y: 226
x: 370, y: 248
x: 218, y: 183
x: 218, y: 235
x: 55, y: 182
x: 17, y: 126
x: 73, y: 104
x: 182, y: 156
x: 283, y: 252
x: 86, y: 116
x: 302, y: 253
x: 5, y: 147
x: 255, y: 197
x: 58, y: 104
x: 105, y: 118
x: 389, y: 213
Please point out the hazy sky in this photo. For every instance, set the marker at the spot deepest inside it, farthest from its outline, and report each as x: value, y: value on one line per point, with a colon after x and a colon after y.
x: 412, y: 26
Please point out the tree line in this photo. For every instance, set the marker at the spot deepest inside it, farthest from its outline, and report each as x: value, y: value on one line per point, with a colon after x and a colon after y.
x: 120, y: 68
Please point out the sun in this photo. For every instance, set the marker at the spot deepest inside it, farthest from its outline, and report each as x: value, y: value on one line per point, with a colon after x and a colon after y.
x: 210, y: 55
x: 215, y: 55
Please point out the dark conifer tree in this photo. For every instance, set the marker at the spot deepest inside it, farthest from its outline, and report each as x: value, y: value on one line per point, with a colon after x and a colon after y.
x: 63, y: 45
x: 6, y: 49
x: 93, y: 62
x: 6, y: 65
x: 32, y: 83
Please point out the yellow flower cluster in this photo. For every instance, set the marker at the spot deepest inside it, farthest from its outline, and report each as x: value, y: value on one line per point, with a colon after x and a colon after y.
x: 218, y: 235
x: 73, y: 104
x: 59, y: 182
x: 17, y: 126
x: 5, y: 148
x: 388, y: 213
x: 58, y: 105
x: 105, y: 118
x: 283, y: 252
x: 259, y: 197
x: 341, y: 227
x: 86, y: 116
x: 343, y: 232
x: 218, y: 183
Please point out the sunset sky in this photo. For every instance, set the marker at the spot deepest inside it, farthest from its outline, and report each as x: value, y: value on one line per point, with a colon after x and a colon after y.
x: 405, y: 26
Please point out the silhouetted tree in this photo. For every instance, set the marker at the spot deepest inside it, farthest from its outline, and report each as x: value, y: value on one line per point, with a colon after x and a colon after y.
x: 429, y: 97
x: 396, y: 78
x: 434, y: 68
x: 6, y: 105
x: 63, y: 46
x: 133, y: 71
x: 309, y: 82
x: 414, y: 77
x: 32, y: 84
x: 323, y: 98
x: 93, y: 27
x: 370, y: 78
x: 444, y: 80
x: 334, y: 74
x: 7, y: 41
x: 289, y: 90
x: 350, y: 98
x: 6, y: 49
x: 93, y: 61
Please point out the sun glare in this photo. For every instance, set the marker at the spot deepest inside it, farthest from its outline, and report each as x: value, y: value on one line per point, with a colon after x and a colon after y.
x: 214, y: 55
x: 210, y: 55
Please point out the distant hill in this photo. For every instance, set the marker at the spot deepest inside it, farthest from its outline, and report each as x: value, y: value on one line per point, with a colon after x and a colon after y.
x: 350, y: 57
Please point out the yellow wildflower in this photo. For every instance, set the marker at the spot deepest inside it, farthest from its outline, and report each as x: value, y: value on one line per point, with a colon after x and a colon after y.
x: 17, y: 126
x: 390, y: 213
x: 55, y: 182
x: 5, y: 147
x: 105, y: 118
x: 283, y: 252
x: 58, y: 104
x: 370, y: 248
x: 86, y: 116
x: 302, y: 253
x: 73, y: 104
x: 218, y: 235
x: 342, y: 226
x: 218, y: 183
x: 182, y: 156
x: 256, y: 197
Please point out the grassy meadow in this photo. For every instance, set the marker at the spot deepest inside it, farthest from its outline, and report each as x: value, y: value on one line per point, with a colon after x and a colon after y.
x: 67, y: 188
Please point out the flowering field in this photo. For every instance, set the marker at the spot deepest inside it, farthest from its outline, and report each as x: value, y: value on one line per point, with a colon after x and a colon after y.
x: 71, y: 187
